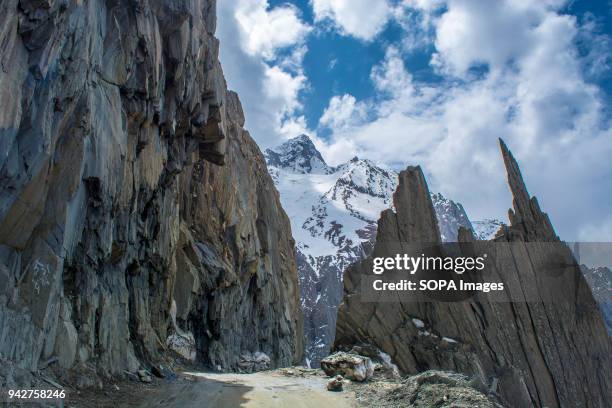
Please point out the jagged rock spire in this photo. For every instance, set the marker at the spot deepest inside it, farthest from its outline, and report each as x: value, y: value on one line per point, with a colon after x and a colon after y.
x: 527, y: 217
x: 415, y: 214
x: 515, y: 179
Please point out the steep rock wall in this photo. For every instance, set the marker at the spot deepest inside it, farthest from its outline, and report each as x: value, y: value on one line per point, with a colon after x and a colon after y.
x: 537, y: 352
x: 133, y: 205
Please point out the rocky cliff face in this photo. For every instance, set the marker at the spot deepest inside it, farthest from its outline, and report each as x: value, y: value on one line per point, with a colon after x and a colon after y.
x: 136, y: 214
x: 538, y: 352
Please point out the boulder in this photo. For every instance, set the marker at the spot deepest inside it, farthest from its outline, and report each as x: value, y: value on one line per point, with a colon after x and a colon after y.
x: 253, y: 362
x: 183, y: 344
x: 335, y: 384
x: 351, y: 366
x: 383, y: 365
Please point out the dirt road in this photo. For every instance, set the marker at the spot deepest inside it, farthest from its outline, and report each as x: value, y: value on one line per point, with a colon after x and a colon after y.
x: 259, y: 390
x: 292, y: 387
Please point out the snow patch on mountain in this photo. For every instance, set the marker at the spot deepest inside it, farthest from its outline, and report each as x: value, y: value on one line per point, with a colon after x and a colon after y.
x: 486, y: 229
x: 450, y: 216
x: 299, y: 155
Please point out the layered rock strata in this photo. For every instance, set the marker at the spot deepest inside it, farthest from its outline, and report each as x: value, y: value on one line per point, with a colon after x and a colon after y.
x: 136, y: 213
x: 551, y: 350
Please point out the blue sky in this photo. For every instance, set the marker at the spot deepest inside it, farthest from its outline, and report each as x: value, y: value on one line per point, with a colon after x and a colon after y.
x: 339, y: 64
x: 353, y: 58
x: 435, y: 83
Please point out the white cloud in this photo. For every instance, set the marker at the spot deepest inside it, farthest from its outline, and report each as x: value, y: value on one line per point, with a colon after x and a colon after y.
x: 534, y: 94
x: 282, y: 88
x: 484, y: 32
x: 382, y: 130
x: 391, y: 76
x: 294, y: 125
x: 263, y: 31
x: 596, y: 45
x: 417, y: 19
x: 425, y: 5
x: 343, y: 113
x: 262, y: 50
x: 362, y: 19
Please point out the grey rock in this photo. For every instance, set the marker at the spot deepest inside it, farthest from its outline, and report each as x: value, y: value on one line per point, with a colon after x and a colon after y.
x: 383, y: 365
x: 128, y: 185
x: 536, y: 353
x: 253, y: 362
x: 349, y: 365
x: 335, y: 384
x: 66, y: 340
x: 88, y: 380
x: 144, y: 376
x: 182, y: 344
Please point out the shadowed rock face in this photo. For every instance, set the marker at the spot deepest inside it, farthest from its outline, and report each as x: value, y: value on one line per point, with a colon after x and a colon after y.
x: 535, y: 353
x: 118, y: 226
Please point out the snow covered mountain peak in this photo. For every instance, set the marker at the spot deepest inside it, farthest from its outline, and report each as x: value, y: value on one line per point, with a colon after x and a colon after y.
x: 298, y: 155
x: 363, y: 189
